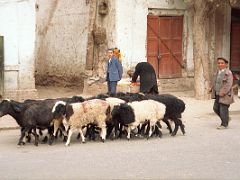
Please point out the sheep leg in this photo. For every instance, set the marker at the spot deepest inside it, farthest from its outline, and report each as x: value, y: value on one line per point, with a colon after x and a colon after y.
x: 168, y: 125
x: 110, y: 131
x: 69, y: 137
x: 57, y: 128
x: 128, y: 132
x: 56, y: 125
x: 103, y: 133
x: 176, y: 122
x: 51, y: 139
x: 63, y: 130
x: 45, y: 140
x: 82, y: 135
x: 40, y: 132
x: 60, y: 132
x: 118, y: 127
x: 150, y: 132
x: 151, y: 127
x: 148, y: 128
x: 92, y: 134
x: 182, y: 126
x: 158, y: 129
x: 28, y: 137
x: 78, y: 136
x: 55, y: 134
x: 23, y: 133
x: 141, y: 130
x: 36, y: 136
x: 88, y: 133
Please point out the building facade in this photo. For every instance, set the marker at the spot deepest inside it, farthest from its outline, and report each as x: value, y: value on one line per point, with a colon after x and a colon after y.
x: 64, y: 42
x: 17, y: 34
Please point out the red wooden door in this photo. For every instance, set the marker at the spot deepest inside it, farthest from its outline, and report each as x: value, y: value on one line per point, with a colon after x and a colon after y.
x: 235, y: 46
x: 164, y: 45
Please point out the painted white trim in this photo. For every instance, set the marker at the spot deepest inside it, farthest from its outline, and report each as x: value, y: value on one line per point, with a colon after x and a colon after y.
x: 11, y: 67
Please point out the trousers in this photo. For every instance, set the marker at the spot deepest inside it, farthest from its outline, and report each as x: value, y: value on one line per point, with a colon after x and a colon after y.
x: 112, y: 87
x: 222, y: 110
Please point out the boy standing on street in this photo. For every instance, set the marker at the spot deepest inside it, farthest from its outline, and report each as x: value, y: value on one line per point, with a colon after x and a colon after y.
x: 222, y: 91
x: 114, y: 72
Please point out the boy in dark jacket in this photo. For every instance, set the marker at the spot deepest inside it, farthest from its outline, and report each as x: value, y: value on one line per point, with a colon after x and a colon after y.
x: 114, y: 72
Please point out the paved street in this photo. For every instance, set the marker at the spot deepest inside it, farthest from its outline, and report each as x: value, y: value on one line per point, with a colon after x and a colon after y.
x: 203, y: 153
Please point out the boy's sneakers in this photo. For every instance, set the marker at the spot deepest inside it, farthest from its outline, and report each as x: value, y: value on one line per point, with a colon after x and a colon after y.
x: 222, y: 127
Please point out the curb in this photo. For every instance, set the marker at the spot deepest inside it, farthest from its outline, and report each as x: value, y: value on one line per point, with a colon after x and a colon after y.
x: 9, y: 128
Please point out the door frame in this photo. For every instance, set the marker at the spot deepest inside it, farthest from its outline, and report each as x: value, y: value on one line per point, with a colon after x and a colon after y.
x: 1, y: 67
x: 156, y: 32
x: 236, y: 14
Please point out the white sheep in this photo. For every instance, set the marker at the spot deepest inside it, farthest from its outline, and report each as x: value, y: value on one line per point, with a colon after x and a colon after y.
x: 113, y: 102
x: 137, y: 112
x: 77, y: 115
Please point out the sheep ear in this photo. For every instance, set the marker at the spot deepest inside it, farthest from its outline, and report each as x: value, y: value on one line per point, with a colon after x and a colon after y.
x: 60, y: 110
x: 77, y: 99
x: 115, y: 110
x: 16, y: 107
x: 69, y: 111
x: 108, y: 111
x: 124, y: 106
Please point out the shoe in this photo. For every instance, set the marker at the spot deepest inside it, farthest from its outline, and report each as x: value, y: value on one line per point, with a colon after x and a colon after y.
x: 222, y: 127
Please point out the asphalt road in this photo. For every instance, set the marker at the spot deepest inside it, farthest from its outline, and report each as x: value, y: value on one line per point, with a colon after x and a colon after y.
x: 203, y: 153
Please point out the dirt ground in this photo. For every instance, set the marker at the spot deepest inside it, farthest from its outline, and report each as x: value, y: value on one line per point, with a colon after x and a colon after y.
x: 54, y: 92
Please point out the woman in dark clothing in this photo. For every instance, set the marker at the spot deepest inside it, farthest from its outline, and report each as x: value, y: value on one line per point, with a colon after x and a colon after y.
x: 148, y: 80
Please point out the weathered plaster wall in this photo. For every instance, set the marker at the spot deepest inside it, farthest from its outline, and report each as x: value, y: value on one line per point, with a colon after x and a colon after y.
x: 62, y: 28
x: 18, y: 28
x: 222, y: 32
x: 131, y: 27
x: 108, y: 23
x: 226, y: 32
x: 105, y: 26
x: 131, y: 34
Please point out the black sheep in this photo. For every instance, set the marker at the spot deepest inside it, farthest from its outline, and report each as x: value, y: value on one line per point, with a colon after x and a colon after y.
x: 32, y: 114
x: 174, y: 109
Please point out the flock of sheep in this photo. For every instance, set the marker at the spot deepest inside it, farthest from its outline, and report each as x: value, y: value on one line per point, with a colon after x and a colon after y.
x: 109, y: 115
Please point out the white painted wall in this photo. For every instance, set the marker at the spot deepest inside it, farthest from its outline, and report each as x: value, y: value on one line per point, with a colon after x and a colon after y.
x: 131, y: 27
x: 9, y: 24
x: 18, y: 22
x: 26, y: 43
x: 188, y: 36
